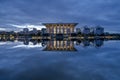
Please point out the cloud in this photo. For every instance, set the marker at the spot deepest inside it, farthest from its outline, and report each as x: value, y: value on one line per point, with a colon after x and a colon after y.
x: 96, y: 12
x: 29, y: 26
x: 2, y: 29
x: 27, y: 46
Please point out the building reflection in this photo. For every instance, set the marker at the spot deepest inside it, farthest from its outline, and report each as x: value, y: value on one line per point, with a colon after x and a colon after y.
x: 86, y: 42
x: 98, y: 43
x: 58, y: 45
x: 94, y: 42
x: 62, y: 45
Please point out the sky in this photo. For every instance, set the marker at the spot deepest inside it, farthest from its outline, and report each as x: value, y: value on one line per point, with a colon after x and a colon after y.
x: 19, y: 13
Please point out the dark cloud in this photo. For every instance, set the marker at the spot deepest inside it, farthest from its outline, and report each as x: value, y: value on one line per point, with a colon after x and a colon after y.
x: 95, y: 12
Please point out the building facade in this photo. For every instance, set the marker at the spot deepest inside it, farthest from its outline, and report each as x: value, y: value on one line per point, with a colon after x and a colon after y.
x: 98, y: 30
x: 78, y: 30
x: 44, y: 31
x: 85, y: 30
x: 25, y: 30
x: 34, y: 31
x: 60, y: 28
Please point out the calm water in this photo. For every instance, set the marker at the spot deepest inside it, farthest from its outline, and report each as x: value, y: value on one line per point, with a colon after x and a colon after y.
x: 29, y: 62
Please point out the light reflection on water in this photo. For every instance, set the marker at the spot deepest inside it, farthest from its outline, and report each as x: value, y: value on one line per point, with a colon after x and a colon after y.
x: 30, y: 62
x: 51, y: 45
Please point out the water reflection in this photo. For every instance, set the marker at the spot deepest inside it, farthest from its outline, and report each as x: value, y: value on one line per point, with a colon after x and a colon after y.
x: 77, y: 63
x: 63, y: 45
x: 59, y: 45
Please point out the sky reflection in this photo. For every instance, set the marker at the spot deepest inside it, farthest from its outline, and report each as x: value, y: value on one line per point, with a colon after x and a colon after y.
x: 87, y: 63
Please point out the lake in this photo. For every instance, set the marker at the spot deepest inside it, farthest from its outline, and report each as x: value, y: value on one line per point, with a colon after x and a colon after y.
x: 32, y: 62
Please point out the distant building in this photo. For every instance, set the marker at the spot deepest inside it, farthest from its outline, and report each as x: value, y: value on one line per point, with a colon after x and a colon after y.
x: 25, y: 30
x: 98, y: 30
x: 11, y: 32
x: 85, y: 30
x: 34, y: 31
x: 43, y: 30
x: 21, y: 32
x: 78, y: 30
x: 92, y: 30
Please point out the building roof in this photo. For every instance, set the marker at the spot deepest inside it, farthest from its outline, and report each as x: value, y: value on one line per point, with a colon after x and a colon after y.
x: 59, y: 23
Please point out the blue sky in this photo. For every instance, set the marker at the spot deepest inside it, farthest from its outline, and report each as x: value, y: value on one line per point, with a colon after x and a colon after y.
x: 84, y: 12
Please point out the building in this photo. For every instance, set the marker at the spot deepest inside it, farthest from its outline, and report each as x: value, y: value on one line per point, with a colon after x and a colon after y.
x: 92, y: 30
x: 25, y: 30
x: 98, y: 30
x: 78, y: 30
x: 60, y: 28
x: 35, y: 30
x: 43, y: 31
x: 85, y: 30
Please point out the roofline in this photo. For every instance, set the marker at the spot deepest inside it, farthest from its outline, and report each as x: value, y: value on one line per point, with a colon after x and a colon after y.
x: 59, y: 23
